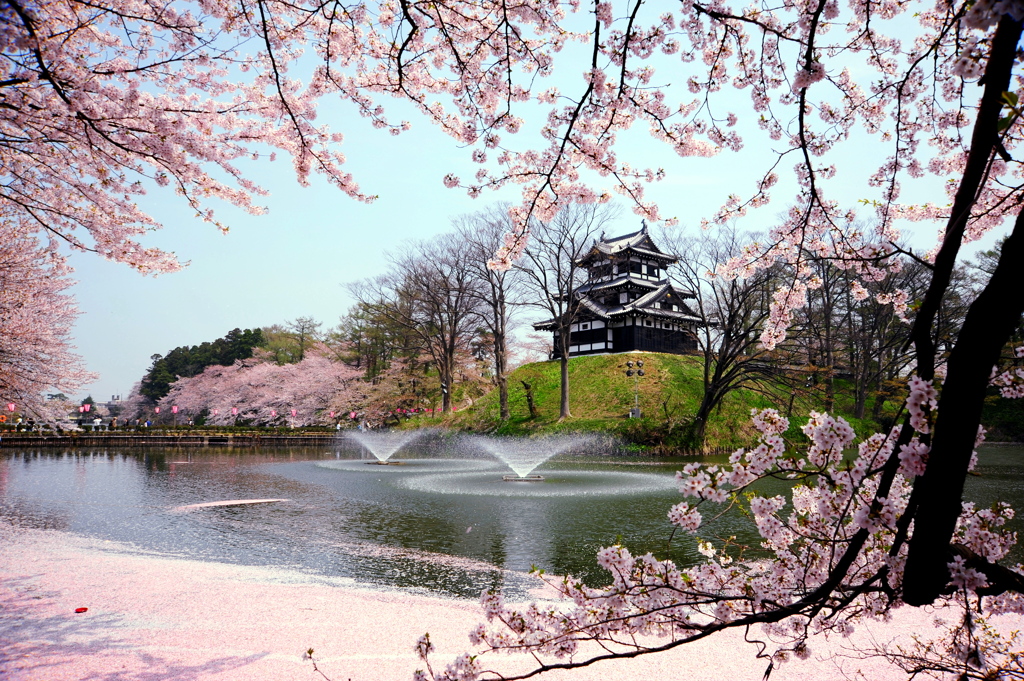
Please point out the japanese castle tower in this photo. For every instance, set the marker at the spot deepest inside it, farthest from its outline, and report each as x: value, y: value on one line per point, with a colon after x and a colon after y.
x: 628, y: 302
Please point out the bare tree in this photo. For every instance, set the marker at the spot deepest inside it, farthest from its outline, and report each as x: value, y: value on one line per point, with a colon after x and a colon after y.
x: 818, y: 327
x: 499, y: 291
x: 874, y: 338
x: 431, y: 294
x: 306, y: 331
x: 733, y: 313
x: 553, y: 275
x: 877, y: 351
x: 846, y: 329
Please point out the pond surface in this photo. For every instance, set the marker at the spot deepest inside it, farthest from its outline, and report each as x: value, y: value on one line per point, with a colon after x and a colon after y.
x: 444, y: 521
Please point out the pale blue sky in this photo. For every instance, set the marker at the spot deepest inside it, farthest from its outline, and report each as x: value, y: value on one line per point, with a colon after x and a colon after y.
x: 295, y: 260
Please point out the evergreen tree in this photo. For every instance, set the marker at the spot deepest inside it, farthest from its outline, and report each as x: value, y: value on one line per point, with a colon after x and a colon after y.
x: 188, y: 361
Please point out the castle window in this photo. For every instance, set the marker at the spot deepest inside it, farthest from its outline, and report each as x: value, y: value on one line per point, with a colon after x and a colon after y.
x: 584, y: 327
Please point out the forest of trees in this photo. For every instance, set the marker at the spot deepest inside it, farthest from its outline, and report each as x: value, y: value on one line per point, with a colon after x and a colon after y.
x: 436, y: 325
x: 439, y: 329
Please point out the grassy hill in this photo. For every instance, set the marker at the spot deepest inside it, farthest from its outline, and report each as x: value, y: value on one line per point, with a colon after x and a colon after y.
x: 601, y: 396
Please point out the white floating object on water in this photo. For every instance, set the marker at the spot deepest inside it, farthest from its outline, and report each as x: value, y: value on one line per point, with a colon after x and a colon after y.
x: 230, y: 502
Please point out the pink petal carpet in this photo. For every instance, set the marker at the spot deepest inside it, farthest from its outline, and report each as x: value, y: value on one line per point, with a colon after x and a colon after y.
x: 157, y: 618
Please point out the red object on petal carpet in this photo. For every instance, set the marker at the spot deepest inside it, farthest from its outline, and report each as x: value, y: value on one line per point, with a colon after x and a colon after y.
x: 81, y: 609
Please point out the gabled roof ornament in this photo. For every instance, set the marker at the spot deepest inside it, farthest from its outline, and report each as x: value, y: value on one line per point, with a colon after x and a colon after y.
x: 643, y: 226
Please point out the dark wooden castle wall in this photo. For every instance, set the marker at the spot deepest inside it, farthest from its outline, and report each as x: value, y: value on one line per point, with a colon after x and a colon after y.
x: 652, y: 339
x: 627, y: 338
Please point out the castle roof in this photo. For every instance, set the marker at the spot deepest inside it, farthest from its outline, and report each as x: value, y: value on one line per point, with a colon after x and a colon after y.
x: 638, y: 242
x: 627, y: 281
x: 644, y: 306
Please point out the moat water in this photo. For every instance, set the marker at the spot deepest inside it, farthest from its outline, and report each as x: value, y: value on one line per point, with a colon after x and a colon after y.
x: 441, y: 521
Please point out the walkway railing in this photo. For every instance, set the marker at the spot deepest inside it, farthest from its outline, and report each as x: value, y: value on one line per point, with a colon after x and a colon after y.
x: 183, y: 439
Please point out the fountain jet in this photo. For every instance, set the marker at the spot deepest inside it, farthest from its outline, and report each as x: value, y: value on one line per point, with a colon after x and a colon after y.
x: 385, y: 443
x: 523, y: 455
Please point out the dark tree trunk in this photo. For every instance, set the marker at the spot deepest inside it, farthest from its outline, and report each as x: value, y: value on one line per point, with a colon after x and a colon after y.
x: 988, y: 326
x: 830, y: 389
x: 990, y: 322
x: 500, y: 377
x: 698, y: 433
x: 830, y: 367
x: 504, y: 413
x: 564, y: 340
x: 563, y: 400
x: 860, y: 399
x: 529, y: 399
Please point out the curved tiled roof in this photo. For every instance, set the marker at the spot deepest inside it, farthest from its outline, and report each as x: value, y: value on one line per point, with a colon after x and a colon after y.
x: 639, y: 242
x: 621, y: 280
x: 640, y: 306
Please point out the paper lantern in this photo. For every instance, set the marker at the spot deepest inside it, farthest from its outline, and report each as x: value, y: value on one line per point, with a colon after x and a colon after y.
x: 293, y: 412
x: 174, y: 410
x: 234, y: 411
x: 10, y: 406
x: 157, y: 409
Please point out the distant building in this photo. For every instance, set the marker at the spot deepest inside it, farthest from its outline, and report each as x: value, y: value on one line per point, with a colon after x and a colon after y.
x: 628, y: 302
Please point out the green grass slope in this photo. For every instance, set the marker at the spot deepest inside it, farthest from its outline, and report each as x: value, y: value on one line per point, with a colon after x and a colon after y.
x: 601, y: 395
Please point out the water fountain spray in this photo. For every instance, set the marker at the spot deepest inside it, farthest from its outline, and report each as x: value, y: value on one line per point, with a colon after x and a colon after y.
x: 383, y: 444
x: 523, y: 455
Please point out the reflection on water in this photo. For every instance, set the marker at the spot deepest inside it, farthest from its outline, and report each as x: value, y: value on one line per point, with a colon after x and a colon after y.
x: 446, y: 525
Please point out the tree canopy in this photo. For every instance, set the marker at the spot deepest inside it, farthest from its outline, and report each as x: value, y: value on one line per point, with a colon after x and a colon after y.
x: 186, y: 361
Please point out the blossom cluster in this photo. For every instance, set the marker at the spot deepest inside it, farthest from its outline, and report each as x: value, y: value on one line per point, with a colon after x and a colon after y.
x: 921, y: 402
x: 1010, y: 381
x: 260, y: 391
x: 836, y: 502
x: 36, y: 317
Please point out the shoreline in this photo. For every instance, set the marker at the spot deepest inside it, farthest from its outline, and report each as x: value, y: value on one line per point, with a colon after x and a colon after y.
x: 184, y: 439
x: 200, y: 440
x: 153, y: 617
